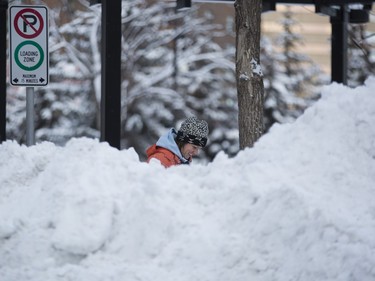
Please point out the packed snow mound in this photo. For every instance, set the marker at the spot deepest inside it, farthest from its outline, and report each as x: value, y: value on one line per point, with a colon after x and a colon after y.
x: 297, y: 206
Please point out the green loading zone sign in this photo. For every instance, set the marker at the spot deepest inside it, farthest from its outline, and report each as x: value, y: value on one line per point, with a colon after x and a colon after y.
x: 28, y: 45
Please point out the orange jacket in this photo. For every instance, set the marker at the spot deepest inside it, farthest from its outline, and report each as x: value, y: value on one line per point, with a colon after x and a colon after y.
x: 166, y: 157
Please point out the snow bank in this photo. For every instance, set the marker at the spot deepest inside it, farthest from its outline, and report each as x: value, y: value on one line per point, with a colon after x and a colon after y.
x: 297, y: 206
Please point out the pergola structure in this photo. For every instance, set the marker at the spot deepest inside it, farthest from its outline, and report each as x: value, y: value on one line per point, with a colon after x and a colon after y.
x: 339, y: 11
x: 340, y: 14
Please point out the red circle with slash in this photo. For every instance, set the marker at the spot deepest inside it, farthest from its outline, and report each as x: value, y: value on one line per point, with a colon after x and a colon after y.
x: 21, y: 14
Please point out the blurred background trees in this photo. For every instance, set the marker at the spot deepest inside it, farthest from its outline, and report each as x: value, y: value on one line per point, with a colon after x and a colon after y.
x: 361, y: 54
x: 172, y: 67
x: 292, y: 80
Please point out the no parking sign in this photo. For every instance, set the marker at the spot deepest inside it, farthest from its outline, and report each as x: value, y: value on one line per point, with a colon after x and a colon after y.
x: 28, y: 45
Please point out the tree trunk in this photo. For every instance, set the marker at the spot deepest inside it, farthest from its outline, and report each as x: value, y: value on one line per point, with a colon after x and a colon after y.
x: 249, y: 77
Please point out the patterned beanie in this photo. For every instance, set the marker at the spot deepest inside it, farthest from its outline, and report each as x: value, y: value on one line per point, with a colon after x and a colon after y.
x: 193, y: 131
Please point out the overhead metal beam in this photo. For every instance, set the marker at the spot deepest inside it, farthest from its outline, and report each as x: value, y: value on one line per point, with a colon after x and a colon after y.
x: 360, y: 16
x: 326, y: 10
x: 303, y: 2
x: 268, y: 6
x: 183, y: 4
x: 340, y: 2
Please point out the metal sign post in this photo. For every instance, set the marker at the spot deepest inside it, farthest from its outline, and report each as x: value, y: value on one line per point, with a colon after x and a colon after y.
x: 30, y: 131
x: 29, y: 55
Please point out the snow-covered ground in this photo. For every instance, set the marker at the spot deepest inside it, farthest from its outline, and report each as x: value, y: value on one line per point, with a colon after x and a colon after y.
x: 298, y: 206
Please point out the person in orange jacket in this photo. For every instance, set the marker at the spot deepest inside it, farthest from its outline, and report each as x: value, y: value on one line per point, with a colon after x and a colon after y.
x: 179, y: 147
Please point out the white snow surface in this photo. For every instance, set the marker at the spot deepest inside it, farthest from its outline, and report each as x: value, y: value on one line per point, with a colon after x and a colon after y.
x: 299, y: 205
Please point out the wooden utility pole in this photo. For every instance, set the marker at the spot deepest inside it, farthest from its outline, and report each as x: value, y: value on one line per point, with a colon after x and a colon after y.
x: 249, y: 77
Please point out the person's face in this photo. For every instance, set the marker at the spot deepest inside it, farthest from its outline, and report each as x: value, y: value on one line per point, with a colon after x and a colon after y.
x: 190, y: 150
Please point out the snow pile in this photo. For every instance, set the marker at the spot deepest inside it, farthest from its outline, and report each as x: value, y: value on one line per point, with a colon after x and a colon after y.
x: 297, y: 206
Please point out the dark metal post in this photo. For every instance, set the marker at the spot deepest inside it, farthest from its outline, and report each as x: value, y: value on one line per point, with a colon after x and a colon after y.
x: 111, y: 73
x: 339, y: 46
x: 3, y: 66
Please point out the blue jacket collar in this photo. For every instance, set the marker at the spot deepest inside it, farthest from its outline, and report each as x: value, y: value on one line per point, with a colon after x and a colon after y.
x: 168, y: 141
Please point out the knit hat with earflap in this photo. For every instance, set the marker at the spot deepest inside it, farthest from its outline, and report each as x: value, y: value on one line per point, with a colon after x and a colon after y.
x: 193, y: 131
